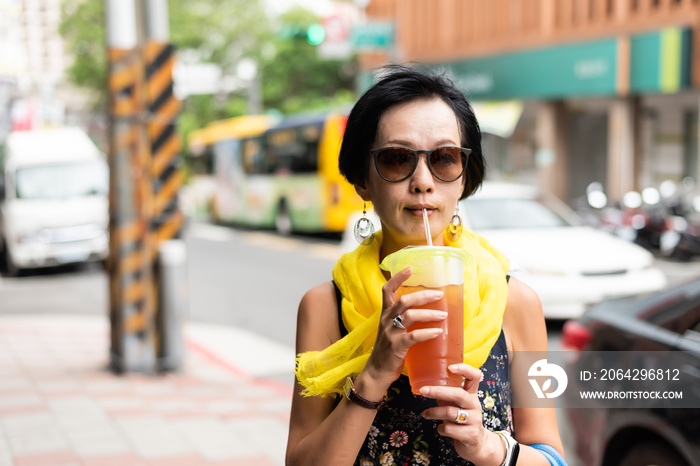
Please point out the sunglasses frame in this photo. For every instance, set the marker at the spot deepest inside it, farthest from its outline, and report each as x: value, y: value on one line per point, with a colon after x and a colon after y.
x: 465, y: 152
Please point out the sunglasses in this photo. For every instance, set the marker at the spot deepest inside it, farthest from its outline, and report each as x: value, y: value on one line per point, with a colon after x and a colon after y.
x: 395, y: 164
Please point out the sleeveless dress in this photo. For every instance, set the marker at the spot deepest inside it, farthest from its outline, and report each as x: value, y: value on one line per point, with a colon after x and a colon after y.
x: 400, y: 436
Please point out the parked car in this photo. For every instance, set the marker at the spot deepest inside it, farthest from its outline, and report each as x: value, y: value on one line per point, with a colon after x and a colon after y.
x: 54, y: 187
x: 569, y: 264
x: 645, y: 327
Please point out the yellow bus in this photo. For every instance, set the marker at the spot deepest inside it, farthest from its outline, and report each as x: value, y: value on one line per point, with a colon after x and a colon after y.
x: 197, y: 193
x: 212, y: 150
x: 282, y: 177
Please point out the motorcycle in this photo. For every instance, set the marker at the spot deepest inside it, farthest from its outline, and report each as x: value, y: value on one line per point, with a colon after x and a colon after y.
x: 665, y: 221
x: 682, y: 241
x: 598, y: 212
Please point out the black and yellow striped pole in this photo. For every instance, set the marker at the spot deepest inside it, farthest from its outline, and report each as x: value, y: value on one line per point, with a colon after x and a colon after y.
x: 132, y: 298
x: 166, y: 173
x: 145, y: 177
x: 164, y: 140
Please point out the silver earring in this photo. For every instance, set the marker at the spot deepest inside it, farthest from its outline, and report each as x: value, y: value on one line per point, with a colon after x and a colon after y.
x: 454, y: 228
x: 364, y: 229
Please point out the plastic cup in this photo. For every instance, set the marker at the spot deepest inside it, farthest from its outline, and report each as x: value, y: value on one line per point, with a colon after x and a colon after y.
x: 434, y: 268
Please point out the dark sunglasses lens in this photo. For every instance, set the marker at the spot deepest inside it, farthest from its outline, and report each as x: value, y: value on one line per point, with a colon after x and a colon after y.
x: 447, y: 163
x: 395, y: 163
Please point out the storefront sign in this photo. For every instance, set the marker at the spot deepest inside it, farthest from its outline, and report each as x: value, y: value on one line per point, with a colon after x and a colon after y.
x: 376, y: 35
x: 575, y: 69
x: 660, y: 61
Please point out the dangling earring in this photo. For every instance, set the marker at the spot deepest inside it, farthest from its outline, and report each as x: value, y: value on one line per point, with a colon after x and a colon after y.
x: 364, y: 229
x: 454, y: 228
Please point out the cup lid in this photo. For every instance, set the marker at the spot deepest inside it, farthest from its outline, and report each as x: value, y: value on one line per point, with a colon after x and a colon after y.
x: 445, y: 263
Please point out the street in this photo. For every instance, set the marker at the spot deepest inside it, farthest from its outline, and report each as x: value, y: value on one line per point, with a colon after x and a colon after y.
x: 241, y: 278
x: 246, y: 279
x: 151, y: 118
x: 254, y: 279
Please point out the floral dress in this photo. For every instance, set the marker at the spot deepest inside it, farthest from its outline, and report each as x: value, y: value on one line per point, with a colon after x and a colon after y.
x: 400, y: 436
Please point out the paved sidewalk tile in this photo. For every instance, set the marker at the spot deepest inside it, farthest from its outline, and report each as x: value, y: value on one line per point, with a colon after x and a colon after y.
x: 59, y: 406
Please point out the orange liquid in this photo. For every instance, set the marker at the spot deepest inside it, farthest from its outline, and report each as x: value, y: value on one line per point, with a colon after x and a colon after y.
x: 427, y: 361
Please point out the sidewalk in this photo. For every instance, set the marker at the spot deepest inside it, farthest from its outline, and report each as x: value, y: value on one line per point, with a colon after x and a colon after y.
x: 60, y: 406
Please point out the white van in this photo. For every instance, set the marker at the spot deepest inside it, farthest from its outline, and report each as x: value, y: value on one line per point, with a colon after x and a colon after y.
x: 54, y: 206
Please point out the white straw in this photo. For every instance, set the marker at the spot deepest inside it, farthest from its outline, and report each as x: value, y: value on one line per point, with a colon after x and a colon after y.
x: 426, y: 224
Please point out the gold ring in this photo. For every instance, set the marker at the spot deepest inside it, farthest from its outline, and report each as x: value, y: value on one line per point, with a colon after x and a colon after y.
x: 462, y: 416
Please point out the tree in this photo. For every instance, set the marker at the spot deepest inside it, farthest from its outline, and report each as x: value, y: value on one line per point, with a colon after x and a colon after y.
x: 217, y: 31
x: 223, y: 32
x: 295, y: 77
x: 83, y: 28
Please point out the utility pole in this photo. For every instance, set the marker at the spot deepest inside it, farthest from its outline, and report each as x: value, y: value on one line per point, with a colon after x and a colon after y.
x: 144, y: 179
x: 167, y: 220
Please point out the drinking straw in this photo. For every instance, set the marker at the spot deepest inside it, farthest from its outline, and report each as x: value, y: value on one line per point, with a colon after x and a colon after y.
x: 426, y: 224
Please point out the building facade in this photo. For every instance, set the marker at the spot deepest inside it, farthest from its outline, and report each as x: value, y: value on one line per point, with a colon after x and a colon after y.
x: 33, y: 89
x: 608, y: 88
x: 40, y: 20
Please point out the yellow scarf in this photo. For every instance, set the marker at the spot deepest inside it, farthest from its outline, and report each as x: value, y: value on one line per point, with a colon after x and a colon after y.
x: 360, y: 281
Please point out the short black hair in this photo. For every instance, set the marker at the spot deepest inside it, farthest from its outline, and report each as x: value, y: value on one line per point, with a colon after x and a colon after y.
x: 398, y: 84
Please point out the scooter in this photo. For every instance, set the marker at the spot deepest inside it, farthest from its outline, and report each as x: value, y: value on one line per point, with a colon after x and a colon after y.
x: 682, y: 239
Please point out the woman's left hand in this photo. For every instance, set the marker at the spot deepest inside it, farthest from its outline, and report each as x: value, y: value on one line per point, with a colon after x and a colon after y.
x: 472, y: 441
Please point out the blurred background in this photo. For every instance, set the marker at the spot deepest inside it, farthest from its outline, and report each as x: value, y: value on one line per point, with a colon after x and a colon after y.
x: 208, y: 132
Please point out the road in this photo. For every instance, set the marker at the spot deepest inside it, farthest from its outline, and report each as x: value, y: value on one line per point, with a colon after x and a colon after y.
x: 254, y: 279
x: 248, y: 279
x: 241, y: 278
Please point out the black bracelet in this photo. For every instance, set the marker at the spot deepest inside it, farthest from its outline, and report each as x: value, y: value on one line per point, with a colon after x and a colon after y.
x: 352, y: 395
x: 512, y: 448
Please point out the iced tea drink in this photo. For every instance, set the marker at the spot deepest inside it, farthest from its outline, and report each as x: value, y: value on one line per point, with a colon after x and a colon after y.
x: 434, y: 268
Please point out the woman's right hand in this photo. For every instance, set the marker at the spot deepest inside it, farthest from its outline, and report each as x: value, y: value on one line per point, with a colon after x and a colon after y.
x: 386, y: 361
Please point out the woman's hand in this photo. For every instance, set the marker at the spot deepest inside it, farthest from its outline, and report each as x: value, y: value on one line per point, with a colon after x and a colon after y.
x: 387, y: 359
x: 472, y: 441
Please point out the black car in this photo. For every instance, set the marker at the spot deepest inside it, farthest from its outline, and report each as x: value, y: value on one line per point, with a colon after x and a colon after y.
x: 619, y: 334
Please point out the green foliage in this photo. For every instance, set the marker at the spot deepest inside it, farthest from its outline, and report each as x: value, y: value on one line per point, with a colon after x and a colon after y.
x: 293, y: 76
x: 296, y: 78
x: 84, y: 32
x: 220, y: 31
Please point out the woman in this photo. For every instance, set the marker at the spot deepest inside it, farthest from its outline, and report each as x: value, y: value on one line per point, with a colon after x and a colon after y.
x: 349, y: 340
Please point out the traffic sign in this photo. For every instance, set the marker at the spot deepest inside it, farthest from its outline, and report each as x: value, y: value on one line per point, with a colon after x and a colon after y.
x: 375, y: 35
